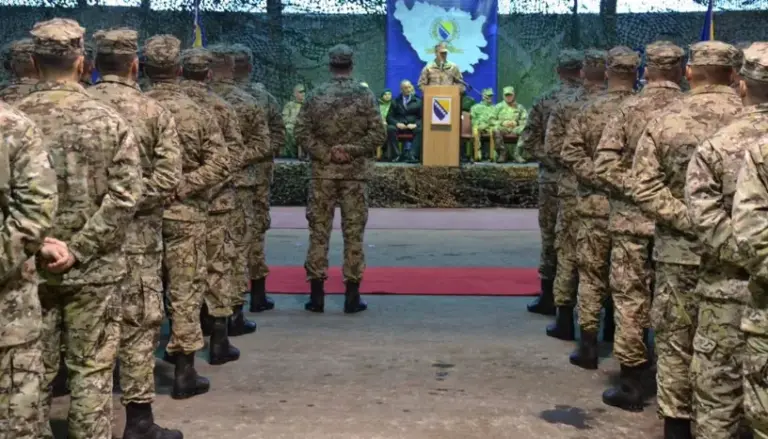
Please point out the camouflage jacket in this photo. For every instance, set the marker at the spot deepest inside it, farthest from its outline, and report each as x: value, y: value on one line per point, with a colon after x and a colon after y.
x: 660, y: 164
x: 274, y: 116
x: 481, y: 115
x: 290, y: 113
x: 503, y: 112
x: 204, y: 155
x: 159, y: 152
x: 96, y: 158
x: 581, y: 142
x: 340, y: 113
x: 449, y: 74
x: 17, y: 90
x: 28, y: 196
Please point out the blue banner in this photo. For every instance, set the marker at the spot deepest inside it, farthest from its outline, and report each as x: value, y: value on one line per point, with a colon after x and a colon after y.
x: 468, y: 27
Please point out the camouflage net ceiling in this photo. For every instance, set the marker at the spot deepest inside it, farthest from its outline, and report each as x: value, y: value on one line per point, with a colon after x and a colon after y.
x: 289, y: 38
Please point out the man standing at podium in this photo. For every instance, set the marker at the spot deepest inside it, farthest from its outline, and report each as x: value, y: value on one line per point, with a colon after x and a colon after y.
x: 441, y: 71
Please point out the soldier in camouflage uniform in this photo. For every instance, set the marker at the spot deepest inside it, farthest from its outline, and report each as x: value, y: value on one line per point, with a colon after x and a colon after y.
x: 86, y: 76
x: 18, y: 62
x: 659, y: 167
x: 441, y: 71
x: 29, y: 197
x: 290, y: 113
x: 155, y: 129
x: 481, y: 114
x: 716, y: 368
x: 258, y: 219
x: 83, y: 291
x: 508, y: 117
x: 205, y: 163
x: 593, y: 243
x: 567, y: 227
x: 340, y: 140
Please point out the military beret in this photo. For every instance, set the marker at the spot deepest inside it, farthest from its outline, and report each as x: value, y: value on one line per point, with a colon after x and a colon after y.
x: 508, y: 90
x: 340, y: 55
x: 663, y: 55
x: 755, y: 64
x: 594, y: 58
x: 570, y: 59
x: 623, y: 59
x: 222, y: 55
x: 19, y: 50
x: 487, y: 92
x: 121, y: 41
x: 713, y: 53
x: 162, y: 51
x: 242, y: 53
x: 196, y: 59
x: 58, y: 37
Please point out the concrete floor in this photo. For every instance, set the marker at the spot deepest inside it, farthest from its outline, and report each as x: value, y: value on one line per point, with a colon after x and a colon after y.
x: 410, y: 367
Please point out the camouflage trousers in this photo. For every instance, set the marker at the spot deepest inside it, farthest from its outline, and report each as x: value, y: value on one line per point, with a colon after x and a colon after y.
x: 91, y: 316
x: 630, y: 279
x: 321, y: 204
x: 674, y: 315
x: 593, y: 251
x: 21, y: 377
x: 756, y: 384
x: 716, y: 368
x: 259, y: 222
x: 566, y: 232
x: 548, y: 207
x: 502, y: 147
x: 140, y: 332
x: 223, y: 231
x: 184, y: 262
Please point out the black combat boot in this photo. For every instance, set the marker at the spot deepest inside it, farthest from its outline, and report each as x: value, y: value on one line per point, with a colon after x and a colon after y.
x: 238, y: 324
x: 206, y: 321
x: 585, y: 356
x: 630, y: 394
x: 316, y: 296
x: 186, y: 382
x: 140, y: 424
x: 545, y: 303
x: 352, y: 302
x: 609, y: 322
x: 60, y: 386
x: 219, y: 349
x: 677, y: 428
x: 563, y: 326
x: 259, y: 300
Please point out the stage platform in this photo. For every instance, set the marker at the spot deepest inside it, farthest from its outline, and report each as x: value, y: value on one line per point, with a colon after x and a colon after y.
x: 412, y: 185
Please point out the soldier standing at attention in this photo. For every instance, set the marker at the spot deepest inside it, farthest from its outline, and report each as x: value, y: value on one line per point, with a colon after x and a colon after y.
x: 480, y: 115
x: 18, y: 62
x: 29, y: 197
x: 82, y: 293
x: 159, y: 150
x: 631, y: 231
x: 290, y: 112
x: 441, y: 71
x: 593, y: 243
x: 658, y: 170
x: 204, y: 165
x: 340, y: 140
x: 718, y: 347
x: 533, y: 142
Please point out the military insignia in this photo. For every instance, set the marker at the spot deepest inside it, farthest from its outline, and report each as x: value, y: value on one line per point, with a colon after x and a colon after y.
x: 441, y: 110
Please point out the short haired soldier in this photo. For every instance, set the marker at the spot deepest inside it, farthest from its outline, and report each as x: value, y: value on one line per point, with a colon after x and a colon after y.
x: 18, y: 62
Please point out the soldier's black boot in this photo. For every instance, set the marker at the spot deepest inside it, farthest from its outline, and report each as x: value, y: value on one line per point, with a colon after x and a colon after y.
x: 60, y: 387
x: 677, y: 428
x: 259, y: 300
x: 352, y: 302
x: 238, y: 324
x: 140, y: 424
x: 630, y: 393
x: 186, y: 382
x: 609, y: 322
x: 585, y: 356
x: 545, y: 303
x: 563, y: 326
x: 316, y: 296
x: 219, y: 349
x: 206, y: 321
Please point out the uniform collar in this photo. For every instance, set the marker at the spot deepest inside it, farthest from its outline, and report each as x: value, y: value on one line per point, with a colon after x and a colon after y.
x: 115, y: 79
x: 705, y: 89
x: 74, y: 87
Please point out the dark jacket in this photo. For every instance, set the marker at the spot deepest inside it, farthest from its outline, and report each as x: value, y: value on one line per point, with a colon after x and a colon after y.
x: 401, y: 114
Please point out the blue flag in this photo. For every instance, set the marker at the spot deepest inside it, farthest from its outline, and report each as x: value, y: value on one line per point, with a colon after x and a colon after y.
x: 708, y: 30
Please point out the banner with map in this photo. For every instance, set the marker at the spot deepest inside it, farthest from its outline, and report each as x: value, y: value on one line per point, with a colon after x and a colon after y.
x: 468, y: 27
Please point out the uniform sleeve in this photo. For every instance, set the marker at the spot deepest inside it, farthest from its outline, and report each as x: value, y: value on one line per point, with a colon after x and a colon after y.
x: 255, y: 134
x: 124, y: 190
x: 276, y: 126
x: 215, y: 160
x: 608, y: 166
x: 166, y: 169
x: 230, y: 129
x: 750, y: 210
x: 458, y: 78
x: 375, y: 135
x: 30, y: 196
x: 575, y: 152
x: 303, y: 132
x: 423, y: 77
x: 557, y: 129
x: 533, y: 135
x: 522, y: 120
x: 287, y: 117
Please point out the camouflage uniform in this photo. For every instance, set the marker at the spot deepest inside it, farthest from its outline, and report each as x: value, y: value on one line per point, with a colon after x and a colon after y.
x: 290, y: 113
x: 663, y: 153
x: 480, y: 115
x: 160, y: 156
x: 504, y: 113
x: 29, y: 197
x: 436, y: 73
x: 18, y: 53
x: 98, y: 204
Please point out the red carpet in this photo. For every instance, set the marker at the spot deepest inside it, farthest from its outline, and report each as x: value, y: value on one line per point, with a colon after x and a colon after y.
x: 426, y: 281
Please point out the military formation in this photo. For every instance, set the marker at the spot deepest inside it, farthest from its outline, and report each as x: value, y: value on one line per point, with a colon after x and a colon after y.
x: 126, y: 203
x: 653, y: 211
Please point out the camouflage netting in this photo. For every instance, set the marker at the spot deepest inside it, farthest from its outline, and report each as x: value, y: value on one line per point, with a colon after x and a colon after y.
x: 415, y: 186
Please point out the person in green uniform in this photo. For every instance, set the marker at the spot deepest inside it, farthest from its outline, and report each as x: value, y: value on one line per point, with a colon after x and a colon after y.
x: 481, y: 114
x: 290, y: 111
x: 509, y: 118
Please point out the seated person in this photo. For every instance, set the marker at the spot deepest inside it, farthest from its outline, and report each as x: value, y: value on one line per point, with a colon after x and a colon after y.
x: 509, y: 117
x: 405, y: 117
x: 481, y: 122
x: 385, y: 102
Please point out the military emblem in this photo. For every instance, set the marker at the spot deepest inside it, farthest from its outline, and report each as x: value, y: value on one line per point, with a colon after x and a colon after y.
x: 441, y: 110
x: 444, y: 31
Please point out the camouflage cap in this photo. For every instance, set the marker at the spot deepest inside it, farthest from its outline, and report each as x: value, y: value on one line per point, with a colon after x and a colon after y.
x: 58, y: 37
x: 570, y: 59
x: 508, y: 90
x: 713, y: 53
x: 340, y: 55
x: 123, y: 41
x: 222, y: 55
x: 623, y: 59
x: 663, y: 55
x: 243, y: 54
x: 487, y: 92
x: 441, y: 47
x: 196, y: 59
x: 298, y: 88
x: 162, y: 51
x: 19, y: 50
x: 756, y: 62
x: 595, y: 58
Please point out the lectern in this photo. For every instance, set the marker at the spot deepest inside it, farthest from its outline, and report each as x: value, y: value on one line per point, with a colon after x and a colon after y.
x: 441, y: 125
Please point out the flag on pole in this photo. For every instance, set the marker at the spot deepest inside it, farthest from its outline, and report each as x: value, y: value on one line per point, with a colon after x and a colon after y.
x: 199, y: 37
x: 708, y: 30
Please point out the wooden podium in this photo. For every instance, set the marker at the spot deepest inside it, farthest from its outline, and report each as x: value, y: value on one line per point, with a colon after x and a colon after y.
x: 441, y: 125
